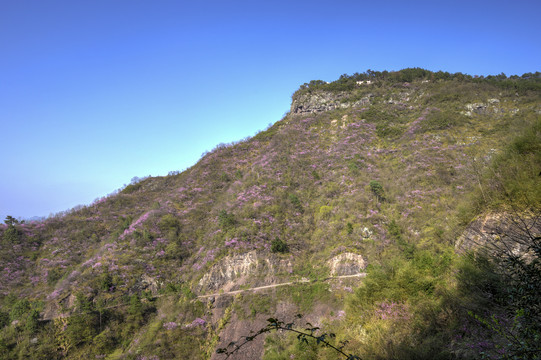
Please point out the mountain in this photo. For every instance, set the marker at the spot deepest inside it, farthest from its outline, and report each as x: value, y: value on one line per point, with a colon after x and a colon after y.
x: 355, y: 210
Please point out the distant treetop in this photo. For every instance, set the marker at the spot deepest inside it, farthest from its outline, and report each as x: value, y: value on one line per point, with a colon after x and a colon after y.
x: 10, y: 221
x: 528, y: 81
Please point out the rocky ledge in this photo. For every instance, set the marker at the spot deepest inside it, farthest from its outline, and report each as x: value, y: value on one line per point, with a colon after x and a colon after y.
x: 321, y: 101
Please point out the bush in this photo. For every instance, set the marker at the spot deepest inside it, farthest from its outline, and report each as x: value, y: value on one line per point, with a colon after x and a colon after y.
x: 377, y: 189
x: 325, y: 211
x: 279, y: 246
x: 131, y: 188
x: 396, y: 233
x: 126, y: 222
x: 11, y: 235
x: 104, y: 281
x: 388, y: 130
x: 31, y: 323
x: 226, y: 220
x: 349, y: 228
x: 296, y: 203
x: 4, y: 319
x: 19, y: 309
x: 53, y: 275
x: 170, y: 225
x: 440, y: 120
x: 104, y: 342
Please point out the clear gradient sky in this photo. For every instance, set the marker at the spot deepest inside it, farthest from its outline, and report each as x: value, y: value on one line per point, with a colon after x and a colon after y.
x: 93, y: 93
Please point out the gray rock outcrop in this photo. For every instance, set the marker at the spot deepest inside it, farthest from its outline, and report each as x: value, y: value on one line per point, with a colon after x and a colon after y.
x: 325, y: 101
x: 501, y: 233
x: 234, y: 271
x: 346, y: 264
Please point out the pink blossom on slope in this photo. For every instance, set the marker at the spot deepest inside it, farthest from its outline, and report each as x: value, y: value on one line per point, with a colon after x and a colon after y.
x: 136, y: 223
x: 170, y: 325
x: 197, y: 322
x: 392, y: 310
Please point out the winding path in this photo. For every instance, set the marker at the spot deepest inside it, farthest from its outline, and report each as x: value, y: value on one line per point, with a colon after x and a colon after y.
x: 302, y: 281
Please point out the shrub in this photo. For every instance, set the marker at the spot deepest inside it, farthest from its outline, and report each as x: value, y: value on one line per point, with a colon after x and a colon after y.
x: 170, y: 225
x: 349, y: 228
x: 225, y: 219
x: 4, y: 319
x: 396, y: 233
x: 440, y: 120
x: 388, y: 130
x: 377, y: 189
x: 175, y: 250
x: 104, y: 342
x: 126, y: 222
x: 11, y: 235
x: 131, y: 188
x: 54, y: 274
x: 104, y: 281
x: 296, y: 203
x: 279, y: 246
x: 31, y: 323
x: 20, y: 308
x: 325, y: 211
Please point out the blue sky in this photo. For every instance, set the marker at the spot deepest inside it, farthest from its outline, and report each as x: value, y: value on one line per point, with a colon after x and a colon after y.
x: 93, y: 93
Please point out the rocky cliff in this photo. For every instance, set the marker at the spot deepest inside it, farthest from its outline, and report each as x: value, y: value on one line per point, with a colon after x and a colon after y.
x: 321, y: 101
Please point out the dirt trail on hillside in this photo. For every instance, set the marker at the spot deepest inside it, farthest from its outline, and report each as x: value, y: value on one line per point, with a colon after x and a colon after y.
x: 302, y: 281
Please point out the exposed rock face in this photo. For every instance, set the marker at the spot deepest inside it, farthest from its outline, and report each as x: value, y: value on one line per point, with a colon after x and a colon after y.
x: 346, y: 264
x: 238, y: 328
x: 490, y: 107
x: 55, y: 309
x: 325, y: 101
x: 500, y: 233
x: 479, y: 233
x: 150, y: 283
x: 234, y: 271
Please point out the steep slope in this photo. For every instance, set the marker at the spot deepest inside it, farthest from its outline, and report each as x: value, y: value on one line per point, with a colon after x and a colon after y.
x: 355, y: 172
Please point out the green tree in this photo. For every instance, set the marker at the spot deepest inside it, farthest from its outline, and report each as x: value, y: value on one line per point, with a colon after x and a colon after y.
x: 83, y: 304
x: 104, y: 342
x: 105, y: 281
x: 296, y: 203
x: 349, y: 228
x: 10, y: 220
x: 83, y: 325
x: 19, y: 309
x: 377, y: 190
x: 170, y: 225
x: 226, y: 220
x: 11, y: 235
x: 54, y: 274
x: 32, y: 322
x: 279, y: 246
x: 135, y: 310
x: 4, y: 319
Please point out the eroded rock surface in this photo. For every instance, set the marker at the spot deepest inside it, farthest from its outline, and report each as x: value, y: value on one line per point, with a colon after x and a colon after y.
x: 500, y: 232
x: 346, y: 264
x: 325, y: 101
x: 492, y: 106
x: 234, y: 271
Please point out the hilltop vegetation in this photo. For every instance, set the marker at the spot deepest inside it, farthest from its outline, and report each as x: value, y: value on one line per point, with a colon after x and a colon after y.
x: 392, y: 173
x: 349, y: 83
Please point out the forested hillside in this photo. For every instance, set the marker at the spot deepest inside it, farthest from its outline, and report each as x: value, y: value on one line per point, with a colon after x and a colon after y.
x: 399, y: 211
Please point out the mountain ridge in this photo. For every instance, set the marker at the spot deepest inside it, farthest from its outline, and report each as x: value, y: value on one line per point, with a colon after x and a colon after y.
x: 375, y: 170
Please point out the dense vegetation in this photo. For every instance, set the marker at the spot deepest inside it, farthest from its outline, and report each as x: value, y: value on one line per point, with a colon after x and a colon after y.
x: 403, y: 181
x: 526, y: 82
